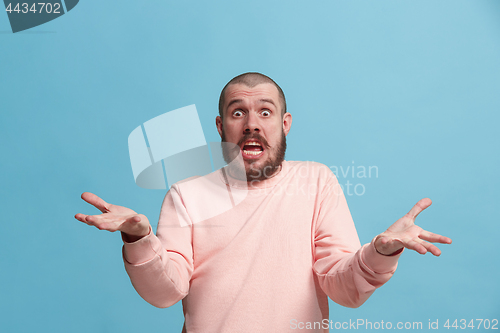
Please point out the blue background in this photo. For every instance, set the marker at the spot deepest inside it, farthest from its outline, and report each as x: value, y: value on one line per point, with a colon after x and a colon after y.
x: 411, y: 87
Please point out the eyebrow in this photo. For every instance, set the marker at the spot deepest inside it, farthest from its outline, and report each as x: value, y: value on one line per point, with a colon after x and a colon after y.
x: 265, y: 100
x: 233, y: 102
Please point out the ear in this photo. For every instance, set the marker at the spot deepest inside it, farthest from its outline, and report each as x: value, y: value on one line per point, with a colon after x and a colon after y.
x: 287, y: 122
x: 218, y: 123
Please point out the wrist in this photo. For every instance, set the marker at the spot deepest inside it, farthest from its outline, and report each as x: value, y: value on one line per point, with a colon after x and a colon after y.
x: 128, y: 238
x: 386, y: 250
x: 392, y: 254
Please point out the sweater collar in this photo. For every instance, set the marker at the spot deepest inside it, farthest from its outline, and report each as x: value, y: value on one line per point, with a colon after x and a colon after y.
x: 253, y: 184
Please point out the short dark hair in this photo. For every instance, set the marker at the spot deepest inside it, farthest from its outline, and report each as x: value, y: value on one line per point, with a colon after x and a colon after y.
x: 251, y: 79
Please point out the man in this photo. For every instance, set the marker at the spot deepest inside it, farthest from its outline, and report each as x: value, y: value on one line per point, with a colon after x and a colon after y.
x: 268, y: 263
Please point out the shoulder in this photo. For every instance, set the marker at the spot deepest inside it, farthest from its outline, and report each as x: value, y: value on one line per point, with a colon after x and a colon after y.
x: 190, y: 185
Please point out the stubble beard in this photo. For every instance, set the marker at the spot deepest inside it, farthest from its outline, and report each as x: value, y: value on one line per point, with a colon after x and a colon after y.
x: 254, y: 173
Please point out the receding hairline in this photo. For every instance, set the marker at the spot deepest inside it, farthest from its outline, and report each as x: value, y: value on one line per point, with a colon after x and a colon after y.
x: 251, y: 80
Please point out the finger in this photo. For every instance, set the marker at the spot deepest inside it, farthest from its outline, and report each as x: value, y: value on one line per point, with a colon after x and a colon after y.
x: 102, y: 223
x: 384, y: 240
x: 434, y: 238
x: 431, y: 248
x: 419, y: 207
x: 81, y: 218
x: 95, y: 201
x: 102, y: 218
x: 91, y: 219
x: 391, y: 241
x: 387, y: 245
x: 111, y: 223
x: 414, y: 245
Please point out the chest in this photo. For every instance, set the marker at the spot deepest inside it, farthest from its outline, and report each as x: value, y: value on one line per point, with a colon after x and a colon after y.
x: 273, y: 224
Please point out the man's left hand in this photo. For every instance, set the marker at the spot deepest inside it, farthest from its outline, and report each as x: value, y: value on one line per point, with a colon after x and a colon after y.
x: 404, y: 233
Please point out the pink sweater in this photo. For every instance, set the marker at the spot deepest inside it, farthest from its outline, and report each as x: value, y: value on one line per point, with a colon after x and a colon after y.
x: 262, y: 259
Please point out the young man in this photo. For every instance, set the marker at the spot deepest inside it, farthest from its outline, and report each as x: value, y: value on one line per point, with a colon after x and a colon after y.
x: 269, y: 262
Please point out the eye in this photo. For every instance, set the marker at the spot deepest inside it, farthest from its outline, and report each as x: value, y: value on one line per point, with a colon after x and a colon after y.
x: 266, y: 113
x: 237, y: 113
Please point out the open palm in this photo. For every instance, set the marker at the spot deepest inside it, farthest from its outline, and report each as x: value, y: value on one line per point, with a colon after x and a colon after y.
x: 114, y: 218
x: 405, y: 233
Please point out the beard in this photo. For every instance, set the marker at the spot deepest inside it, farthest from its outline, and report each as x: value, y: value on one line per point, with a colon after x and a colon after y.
x: 253, y: 171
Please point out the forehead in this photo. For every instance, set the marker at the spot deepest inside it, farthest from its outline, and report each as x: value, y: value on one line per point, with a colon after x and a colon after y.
x: 263, y: 91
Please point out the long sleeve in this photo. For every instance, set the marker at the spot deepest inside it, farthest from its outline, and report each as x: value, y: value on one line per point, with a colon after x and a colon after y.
x: 257, y: 258
x: 347, y: 272
x: 160, y: 266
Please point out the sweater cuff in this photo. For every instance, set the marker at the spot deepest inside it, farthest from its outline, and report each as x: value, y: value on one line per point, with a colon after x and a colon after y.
x: 377, y: 262
x: 142, y: 250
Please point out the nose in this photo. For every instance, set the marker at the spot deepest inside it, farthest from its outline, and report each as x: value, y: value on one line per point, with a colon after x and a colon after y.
x: 252, y: 123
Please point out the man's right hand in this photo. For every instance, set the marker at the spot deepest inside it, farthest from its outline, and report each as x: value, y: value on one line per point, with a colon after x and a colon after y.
x: 115, y: 218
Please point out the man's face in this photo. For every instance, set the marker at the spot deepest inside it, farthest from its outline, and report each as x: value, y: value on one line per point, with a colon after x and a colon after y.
x: 253, y: 121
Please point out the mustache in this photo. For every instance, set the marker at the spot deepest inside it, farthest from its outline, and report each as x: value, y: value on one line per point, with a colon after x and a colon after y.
x: 256, y: 136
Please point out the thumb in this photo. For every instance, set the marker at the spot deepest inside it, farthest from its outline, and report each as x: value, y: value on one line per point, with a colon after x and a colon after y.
x: 419, y: 207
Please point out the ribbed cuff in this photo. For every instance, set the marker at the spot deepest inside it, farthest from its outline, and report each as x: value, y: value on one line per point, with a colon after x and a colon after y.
x: 377, y: 262
x: 142, y: 250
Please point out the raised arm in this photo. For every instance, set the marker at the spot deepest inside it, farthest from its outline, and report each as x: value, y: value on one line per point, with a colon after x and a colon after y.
x: 349, y: 274
x: 159, y: 267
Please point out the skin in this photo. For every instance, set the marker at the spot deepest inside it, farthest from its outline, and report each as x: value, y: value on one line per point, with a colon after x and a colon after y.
x: 404, y: 233
x: 115, y: 218
x: 254, y: 113
x: 257, y: 112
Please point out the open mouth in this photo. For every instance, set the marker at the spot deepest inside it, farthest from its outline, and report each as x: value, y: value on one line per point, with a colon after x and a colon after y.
x: 252, y: 149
